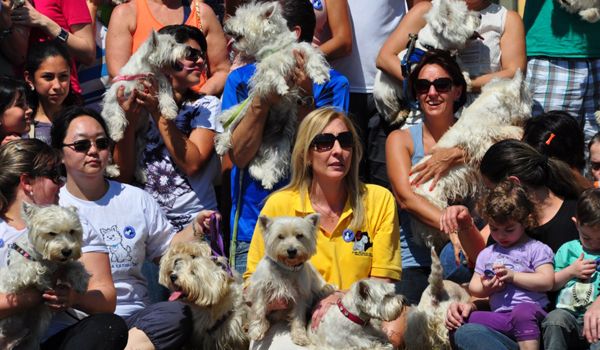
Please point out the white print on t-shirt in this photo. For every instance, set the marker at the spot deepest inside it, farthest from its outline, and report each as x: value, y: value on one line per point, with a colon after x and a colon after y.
x: 118, y: 252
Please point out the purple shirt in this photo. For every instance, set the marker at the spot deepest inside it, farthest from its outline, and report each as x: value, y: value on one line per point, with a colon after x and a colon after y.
x: 525, y: 257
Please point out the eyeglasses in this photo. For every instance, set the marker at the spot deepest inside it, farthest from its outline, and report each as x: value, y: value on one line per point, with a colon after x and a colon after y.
x: 53, y: 174
x: 595, y: 165
x: 325, y: 142
x: 83, y: 146
x: 441, y: 85
x: 193, y: 54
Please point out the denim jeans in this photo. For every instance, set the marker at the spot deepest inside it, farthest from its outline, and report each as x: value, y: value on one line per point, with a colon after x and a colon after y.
x: 241, y: 256
x: 472, y: 336
x: 456, y: 273
x: 563, y: 330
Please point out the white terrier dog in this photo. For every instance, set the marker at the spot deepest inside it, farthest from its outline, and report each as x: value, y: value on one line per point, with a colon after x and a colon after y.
x: 215, y: 296
x: 355, y: 323
x: 497, y: 114
x: 588, y: 10
x: 449, y: 27
x: 155, y: 55
x: 286, y: 274
x: 50, y: 249
x: 260, y: 31
x: 425, y: 329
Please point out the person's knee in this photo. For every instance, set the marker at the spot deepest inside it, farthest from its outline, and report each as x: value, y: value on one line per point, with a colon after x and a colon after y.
x: 559, y: 318
x: 111, y: 328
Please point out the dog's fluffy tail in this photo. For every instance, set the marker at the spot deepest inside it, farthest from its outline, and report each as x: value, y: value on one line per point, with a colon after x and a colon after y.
x: 436, y: 279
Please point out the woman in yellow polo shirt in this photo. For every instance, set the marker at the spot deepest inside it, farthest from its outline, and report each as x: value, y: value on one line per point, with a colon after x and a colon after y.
x: 358, y: 234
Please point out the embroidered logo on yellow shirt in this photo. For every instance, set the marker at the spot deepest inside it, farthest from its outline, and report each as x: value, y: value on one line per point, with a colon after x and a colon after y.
x: 362, y: 243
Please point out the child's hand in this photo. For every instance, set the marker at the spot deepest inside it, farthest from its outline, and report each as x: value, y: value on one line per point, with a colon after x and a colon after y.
x: 491, y: 285
x: 582, y: 268
x: 505, y: 275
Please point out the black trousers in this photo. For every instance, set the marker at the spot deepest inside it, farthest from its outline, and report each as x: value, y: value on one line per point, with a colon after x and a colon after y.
x: 95, y: 332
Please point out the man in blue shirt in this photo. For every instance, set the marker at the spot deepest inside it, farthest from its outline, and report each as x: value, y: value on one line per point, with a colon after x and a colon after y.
x: 247, y: 193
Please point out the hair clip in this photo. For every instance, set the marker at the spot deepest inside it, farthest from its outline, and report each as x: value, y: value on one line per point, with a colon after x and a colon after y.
x: 550, y: 138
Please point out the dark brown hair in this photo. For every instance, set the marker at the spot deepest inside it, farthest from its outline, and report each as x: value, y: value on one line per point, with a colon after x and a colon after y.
x: 508, y: 201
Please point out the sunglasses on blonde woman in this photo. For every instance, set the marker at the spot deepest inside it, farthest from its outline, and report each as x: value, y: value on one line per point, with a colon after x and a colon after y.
x: 325, y: 142
x: 83, y: 146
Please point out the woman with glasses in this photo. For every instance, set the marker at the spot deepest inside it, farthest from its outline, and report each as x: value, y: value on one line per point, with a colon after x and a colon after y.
x: 29, y: 172
x: 179, y: 158
x: 440, y: 89
x: 132, y: 225
x: 358, y: 229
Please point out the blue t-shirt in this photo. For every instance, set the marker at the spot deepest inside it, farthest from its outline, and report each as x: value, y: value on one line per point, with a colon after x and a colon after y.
x: 245, y: 189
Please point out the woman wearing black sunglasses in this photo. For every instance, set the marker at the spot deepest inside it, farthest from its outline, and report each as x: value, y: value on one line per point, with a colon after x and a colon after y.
x: 29, y: 172
x: 132, y: 225
x: 440, y: 89
x: 358, y: 229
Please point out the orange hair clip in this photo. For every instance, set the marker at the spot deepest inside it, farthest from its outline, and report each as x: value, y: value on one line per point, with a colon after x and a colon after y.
x: 550, y: 138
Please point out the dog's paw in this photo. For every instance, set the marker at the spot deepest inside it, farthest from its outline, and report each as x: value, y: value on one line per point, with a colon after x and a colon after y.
x: 112, y: 171
x: 591, y: 15
x: 299, y: 337
x: 258, y: 329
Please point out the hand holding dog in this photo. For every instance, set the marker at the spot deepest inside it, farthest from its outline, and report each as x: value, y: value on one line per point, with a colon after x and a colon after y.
x: 297, y: 78
x: 28, y: 16
x: 131, y: 105
x: 455, y: 218
x: 321, y: 309
x: 438, y: 165
x: 457, y: 314
x: 60, y: 298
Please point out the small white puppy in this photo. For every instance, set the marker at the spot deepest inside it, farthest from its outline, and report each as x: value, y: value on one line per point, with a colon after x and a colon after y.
x: 286, y: 274
x: 50, y: 249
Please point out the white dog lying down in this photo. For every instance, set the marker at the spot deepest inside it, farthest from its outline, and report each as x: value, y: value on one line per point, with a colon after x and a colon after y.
x: 355, y: 323
x: 51, y: 247
x: 425, y: 329
x: 497, y: 114
x: 215, y: 296
x: 449, y: 26
x: 588, y: 10
x: 260, y: 31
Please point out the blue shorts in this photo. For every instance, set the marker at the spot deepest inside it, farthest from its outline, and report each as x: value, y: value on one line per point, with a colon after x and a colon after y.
x: 167, y: 324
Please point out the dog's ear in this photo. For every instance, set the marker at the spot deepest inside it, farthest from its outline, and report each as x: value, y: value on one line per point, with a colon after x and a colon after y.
x: 28, y: 210
x: 153, y: 40
x: 313, y: 219
x: 264, y: 223
x: 72, y: 209
x: 363, y: 289
x: 270, y: 10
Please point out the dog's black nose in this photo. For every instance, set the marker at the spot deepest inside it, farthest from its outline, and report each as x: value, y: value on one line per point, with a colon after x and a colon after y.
x: 66, y: 252
x: 292, y: 252
x: 173, y: 277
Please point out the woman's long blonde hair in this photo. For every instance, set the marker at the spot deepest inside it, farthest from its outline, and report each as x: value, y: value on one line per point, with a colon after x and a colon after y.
x: 301, y: 179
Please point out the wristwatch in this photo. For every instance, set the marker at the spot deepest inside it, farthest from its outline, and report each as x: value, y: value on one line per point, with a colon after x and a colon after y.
x: 63, y: 35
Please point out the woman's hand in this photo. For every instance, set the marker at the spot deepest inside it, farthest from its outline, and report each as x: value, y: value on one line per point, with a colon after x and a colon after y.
x: 436, y: 166
x: 299, y: 77
x: 149, y: 97
x: 203, y: 220
x: 60, y: 298
x: 28, y: 16
x: 130, y: 105
x: 322, y: 307
x: 457, y: 314
x: 455, y: 218
x: 591, y: 322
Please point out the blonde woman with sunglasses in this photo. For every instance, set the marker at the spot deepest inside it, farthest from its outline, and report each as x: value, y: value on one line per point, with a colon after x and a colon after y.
x: 325, y: 180
x: 440, y: 89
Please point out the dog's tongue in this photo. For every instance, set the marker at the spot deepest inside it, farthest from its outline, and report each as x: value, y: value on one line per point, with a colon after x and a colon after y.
x: 175, y: 295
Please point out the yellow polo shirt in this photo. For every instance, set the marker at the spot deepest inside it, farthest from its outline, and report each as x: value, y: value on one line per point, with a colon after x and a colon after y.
x: 374, y: 249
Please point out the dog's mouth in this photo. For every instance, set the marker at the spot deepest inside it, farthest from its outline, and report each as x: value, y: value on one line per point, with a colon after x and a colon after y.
x: 294, y: 262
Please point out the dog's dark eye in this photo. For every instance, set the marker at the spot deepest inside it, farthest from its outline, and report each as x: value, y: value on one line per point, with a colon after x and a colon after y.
x: 177, y: 261
x: 193, y: 256
x: 72, y: 232
x: 52, y: 234
x: 299, y: 236
x: 280, y: 237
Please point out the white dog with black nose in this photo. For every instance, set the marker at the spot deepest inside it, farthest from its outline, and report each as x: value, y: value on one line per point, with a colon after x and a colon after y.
x: 51, y: 247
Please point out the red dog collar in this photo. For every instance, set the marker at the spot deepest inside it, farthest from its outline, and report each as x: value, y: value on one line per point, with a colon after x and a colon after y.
x: 352, y: 317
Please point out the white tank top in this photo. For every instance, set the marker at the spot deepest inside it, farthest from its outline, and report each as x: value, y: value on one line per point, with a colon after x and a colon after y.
x: 483, y: 56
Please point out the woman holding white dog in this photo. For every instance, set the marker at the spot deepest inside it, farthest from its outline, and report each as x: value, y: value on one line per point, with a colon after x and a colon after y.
x: 325, y: 180
x: 440, y: 88
x: 132, y: 225
x: 29, y: 172
x: 498, y: 52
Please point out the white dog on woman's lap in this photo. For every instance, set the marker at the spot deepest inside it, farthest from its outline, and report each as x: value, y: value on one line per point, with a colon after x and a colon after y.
x: 355, y: 322
x: 44, y: 258
x: 449, y: 27
x: 259, y: 30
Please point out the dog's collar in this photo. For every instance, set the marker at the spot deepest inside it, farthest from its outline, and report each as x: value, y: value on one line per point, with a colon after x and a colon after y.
x: 286, y: 267
x: 349, y: 315
x: 220, y: 322
x: 21, y: 251
x: 130, y: 77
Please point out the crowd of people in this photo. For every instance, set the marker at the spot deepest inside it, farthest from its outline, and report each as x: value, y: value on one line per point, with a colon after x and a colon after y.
x: 525, y: 249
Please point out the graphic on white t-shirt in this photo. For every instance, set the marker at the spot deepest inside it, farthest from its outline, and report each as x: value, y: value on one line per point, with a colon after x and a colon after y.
x: 118, y: 252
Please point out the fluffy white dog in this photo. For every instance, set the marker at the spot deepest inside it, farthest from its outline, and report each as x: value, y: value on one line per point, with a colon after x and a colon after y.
x: 157, y: 53
x: 355, y: 323
x: 425, y: 329
x: 286, y: 274
x: 215, y: 296
x: 588, y: 10
x: 497, y: 114
x: 449, y: 27
x: 260, y: 31
x: 50, y: 249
